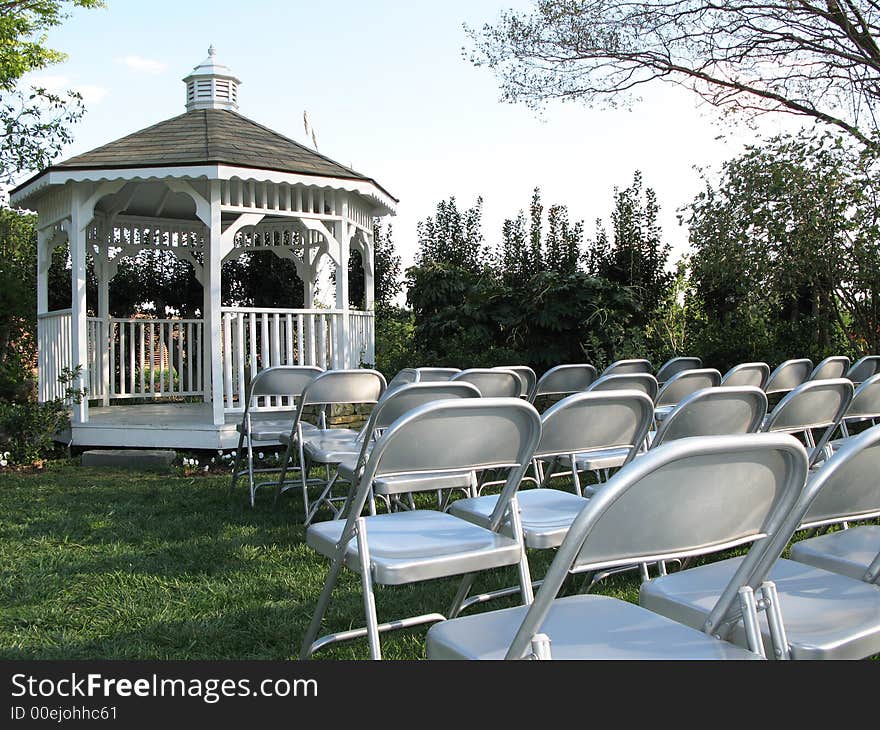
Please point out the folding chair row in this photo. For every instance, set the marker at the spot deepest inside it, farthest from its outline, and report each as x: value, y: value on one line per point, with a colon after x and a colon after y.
x: 692, y: 497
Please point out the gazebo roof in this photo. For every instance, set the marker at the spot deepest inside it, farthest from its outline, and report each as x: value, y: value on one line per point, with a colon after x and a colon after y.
x: 208, y: 136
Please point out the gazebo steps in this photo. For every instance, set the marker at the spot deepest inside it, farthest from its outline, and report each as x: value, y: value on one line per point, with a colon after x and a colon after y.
x: 137, y: 459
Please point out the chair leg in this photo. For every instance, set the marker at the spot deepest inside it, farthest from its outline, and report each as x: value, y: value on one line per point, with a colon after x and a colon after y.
x: 367, y: 587
x: 284, y: 466
x: 237, y: 464
x: 770, y: 603
x: 750, y: 620
x: 250, y: 460
x: 574, y: 476
x: 323, y: 602
x: 525, y: 576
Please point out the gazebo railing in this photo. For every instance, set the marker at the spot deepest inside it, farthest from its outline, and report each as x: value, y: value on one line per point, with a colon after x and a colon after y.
x: 53, y: 339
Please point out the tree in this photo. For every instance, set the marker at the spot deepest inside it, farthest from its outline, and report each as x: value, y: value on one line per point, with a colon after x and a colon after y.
x: 35, y: 122
x: 817, y: 60
x: 453, y: 237
x: 786, y: 261
x: 636, y: 255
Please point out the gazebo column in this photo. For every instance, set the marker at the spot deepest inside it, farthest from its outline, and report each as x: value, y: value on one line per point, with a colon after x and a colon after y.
x: 342, y: 345
x: 102, y: 269
x: 78, y: 324
x: 212, y: 303
x: 368, y: 255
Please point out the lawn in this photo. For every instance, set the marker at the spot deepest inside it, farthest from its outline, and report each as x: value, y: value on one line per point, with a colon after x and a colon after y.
x: 126, y: 565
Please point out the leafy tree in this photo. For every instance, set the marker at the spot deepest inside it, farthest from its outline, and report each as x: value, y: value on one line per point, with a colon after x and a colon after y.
x: 453, y: 237
x: 786, y: 259
x: 816, y: 60
x: 35, y: 121
x: 636, y: 255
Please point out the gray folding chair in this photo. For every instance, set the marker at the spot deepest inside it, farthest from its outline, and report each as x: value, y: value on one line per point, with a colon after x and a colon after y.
x: 719, y: 411
x: 816, y: 404
x: 864, y: 368
x: 851, y: 493
x: 748, y: 373
x: 427, y: 375
x: 682, y: 385
x: 864, y: 406
x: 822, y: 615
x: 492, y: 383
x: 677, y: 365
x: 278, y: 388
x: 788, y: 376
x: 527, y: 377
x: 691, y: 496
x: 350, y: 460
x: 333, y: 387
x: 405, y: 547
x: 571, y: 430
x: 403, y: 377
x: 831, y: 367
x: 564, y: 380
x: 644, y: 382
x: 621, y: 367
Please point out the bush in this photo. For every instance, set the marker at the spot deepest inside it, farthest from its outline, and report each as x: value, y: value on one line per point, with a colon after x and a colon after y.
x: 28, y: 429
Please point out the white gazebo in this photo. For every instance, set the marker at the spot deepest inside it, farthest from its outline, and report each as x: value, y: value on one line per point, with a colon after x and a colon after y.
x: 207, y: 186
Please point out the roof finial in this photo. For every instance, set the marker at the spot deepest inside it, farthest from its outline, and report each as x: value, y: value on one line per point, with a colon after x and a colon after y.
x: 212, y: 51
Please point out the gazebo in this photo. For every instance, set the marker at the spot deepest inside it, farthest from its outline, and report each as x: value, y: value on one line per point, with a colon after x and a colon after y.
x: 207, y: 186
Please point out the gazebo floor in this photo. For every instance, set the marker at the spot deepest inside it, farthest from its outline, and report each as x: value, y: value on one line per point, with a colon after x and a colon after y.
x: 156, y: 425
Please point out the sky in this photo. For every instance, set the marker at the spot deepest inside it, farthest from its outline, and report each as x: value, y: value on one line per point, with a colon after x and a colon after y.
x: 389, y: 92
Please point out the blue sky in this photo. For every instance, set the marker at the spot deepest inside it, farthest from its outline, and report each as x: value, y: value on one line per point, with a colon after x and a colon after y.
x: 388, y: 92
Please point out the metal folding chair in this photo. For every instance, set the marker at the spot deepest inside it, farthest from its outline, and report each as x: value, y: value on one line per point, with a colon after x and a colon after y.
x: 564, y: 380
x: 717, y: 411
x: 333, y: 387
x: 349, y: 459
x: 677, y: 365
x: 682, y: 385
x: 400, y: 548
x: 621, y: 367
x: 851, y: 493
x: 691, y: 496
x: 864, y: 368
x: 748, y: 373
x: 527, y: 377
x: 426, y: 375
x: 643, y: 382
x: 821, y: 614
x: 788, y: 375
x: 277, y: 389
x: 831, y: 367
x: 816, y: 404
x: 491, y: 382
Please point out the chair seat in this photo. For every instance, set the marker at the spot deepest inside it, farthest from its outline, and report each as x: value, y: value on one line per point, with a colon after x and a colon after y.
x: 661, y: 412
x: 271, y: 429
x: 406, y: 547
x: 848, y: 552
x: 580, y: 627
x: 826, y: 615
x: 602, y: 459
x: 546, y: 514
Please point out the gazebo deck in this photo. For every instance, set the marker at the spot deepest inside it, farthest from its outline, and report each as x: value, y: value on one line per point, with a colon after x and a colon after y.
x: 156, y: 425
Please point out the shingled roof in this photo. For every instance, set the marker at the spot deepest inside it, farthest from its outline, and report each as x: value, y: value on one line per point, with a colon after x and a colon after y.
x: 211, y: 136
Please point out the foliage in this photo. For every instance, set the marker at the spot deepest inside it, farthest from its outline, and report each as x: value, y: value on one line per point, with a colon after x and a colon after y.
x: 453, y: 237
x: 386, y: 275
x: 395, y: 349
x: 786, y: 261
x: 820, y: 60
x: 35, y: 121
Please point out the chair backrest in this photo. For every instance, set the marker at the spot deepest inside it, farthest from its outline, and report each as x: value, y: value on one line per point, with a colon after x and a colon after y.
x: 747, y: 373
x: 645, y: 382
x: 865, y: 402
x: 527, y: 377
x: 720, y: 411
x: 587, y: 421
x: 404, y: 398
x: 492, y: 383
x: 428, y: 375
x: 831, y: 367
x: 564, y: 380
x: 453, y: 436
x: 686, y: 382
x: 788, y: 375
x: 677, y: 365
x: 864, y: 368
x: 620, y: 367
x: 407, y: 375
x: 282, y: 380
x: 344, y: 386
x: 688, y: 497
x: 847, y: 486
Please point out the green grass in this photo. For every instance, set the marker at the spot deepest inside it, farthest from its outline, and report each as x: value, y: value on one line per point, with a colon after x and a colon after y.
x: 123, y: 565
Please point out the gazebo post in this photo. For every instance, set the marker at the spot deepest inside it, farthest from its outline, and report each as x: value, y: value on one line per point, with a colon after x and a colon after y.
x: 102, y: 270
x: 44, y: 261
x: 78, y: 326
x: 213, y: 301
x: 342, y: 346
x: 369, y: 260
